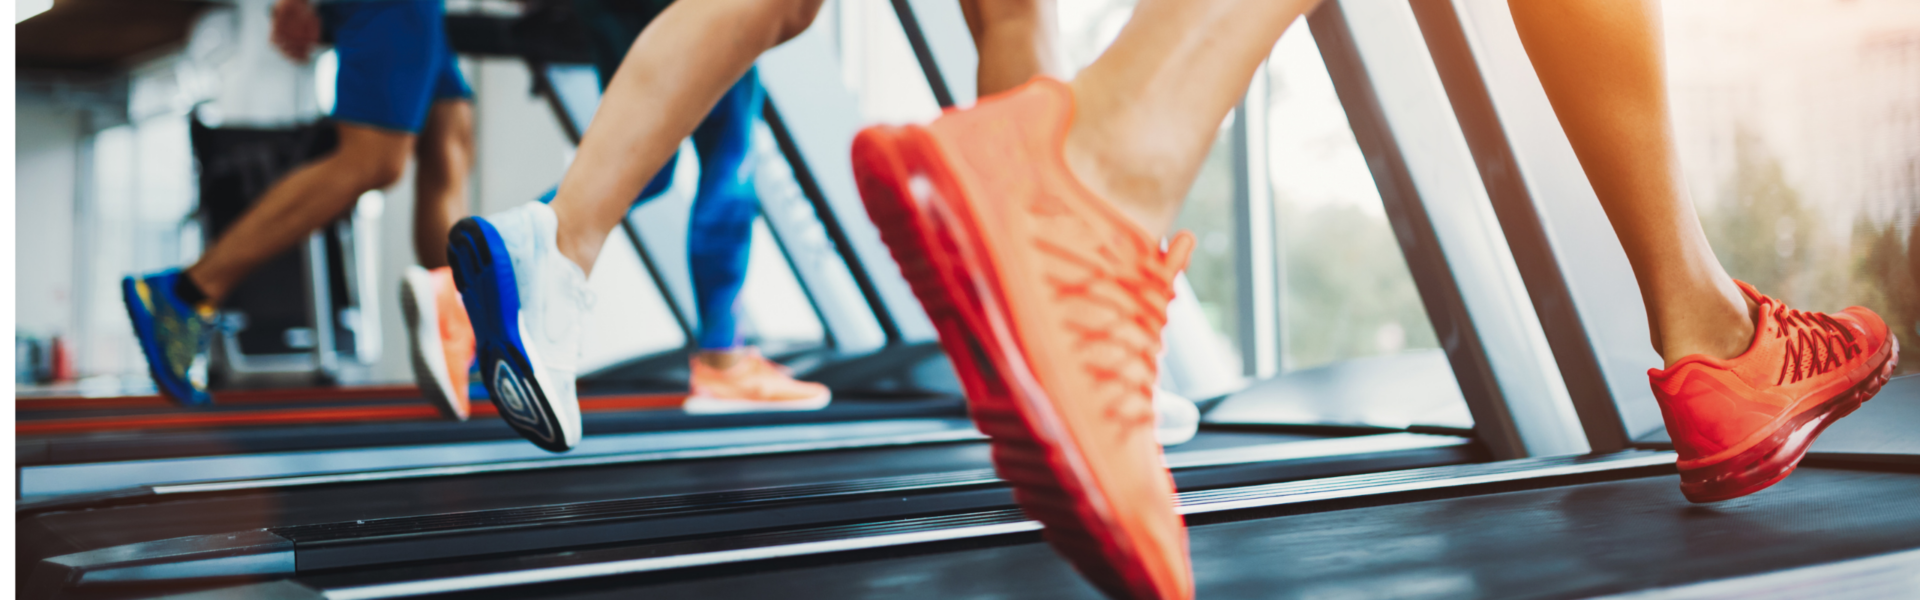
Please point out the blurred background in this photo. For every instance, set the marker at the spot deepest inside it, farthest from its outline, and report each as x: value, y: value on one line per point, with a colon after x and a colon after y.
x: 1799, y: 122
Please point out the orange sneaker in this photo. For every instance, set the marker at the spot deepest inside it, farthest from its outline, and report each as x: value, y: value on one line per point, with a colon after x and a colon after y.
x: 1743, y: 424
x: 1050, y: 303
x: 751, y: 384
x: 440, y: 338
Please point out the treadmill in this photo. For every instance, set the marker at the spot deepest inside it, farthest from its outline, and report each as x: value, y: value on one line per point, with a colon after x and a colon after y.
x: 1445, y: 475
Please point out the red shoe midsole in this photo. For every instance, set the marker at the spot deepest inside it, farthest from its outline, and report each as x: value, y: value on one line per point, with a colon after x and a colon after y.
x: 1778, y: 453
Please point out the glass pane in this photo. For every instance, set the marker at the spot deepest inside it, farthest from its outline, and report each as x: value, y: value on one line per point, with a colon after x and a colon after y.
x: 1802, y: 151
x: 1209, y: 216
x: 631, y: 318
x: 775, y: 312
x: 878, y: 64
x: 1347, y: 293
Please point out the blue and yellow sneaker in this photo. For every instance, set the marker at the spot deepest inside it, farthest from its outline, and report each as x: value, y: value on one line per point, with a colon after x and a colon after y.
x: 528, y: 305
x: 174, y: 335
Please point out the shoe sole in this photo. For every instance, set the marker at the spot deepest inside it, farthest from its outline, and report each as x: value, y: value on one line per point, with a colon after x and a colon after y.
x: 1032, y: 449
x: 483, y: 272
x: 425, y: 349
x: 708, y: 405
x: 1780, y: 453
x: 142, y: 317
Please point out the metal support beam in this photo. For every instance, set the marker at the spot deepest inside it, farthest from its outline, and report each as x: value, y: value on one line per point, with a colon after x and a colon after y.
x: 1578, y: 274
x: 1467, y: 88
x: 1440, y: 214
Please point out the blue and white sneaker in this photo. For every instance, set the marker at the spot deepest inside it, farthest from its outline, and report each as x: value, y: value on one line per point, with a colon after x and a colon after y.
x: 529, y: 307
x: 174, y: 335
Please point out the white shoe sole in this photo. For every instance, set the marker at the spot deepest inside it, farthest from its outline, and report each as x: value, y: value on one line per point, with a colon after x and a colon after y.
x: 1176, y: 419
x: 707, y: 405
x: 429, y: 357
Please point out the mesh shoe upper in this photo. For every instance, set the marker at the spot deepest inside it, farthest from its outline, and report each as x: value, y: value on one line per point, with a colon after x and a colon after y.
x: 542, y: 317
x: 752, y: 377
x: 1715, y: 408
x: 174, y: 336
x: 1086, y: 291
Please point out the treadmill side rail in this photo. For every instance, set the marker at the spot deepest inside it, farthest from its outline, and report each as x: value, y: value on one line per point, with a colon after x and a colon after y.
x: 254, y: 553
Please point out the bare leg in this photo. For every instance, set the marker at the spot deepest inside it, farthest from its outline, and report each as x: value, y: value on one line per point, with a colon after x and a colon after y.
x: 444, y: 159
x: 672, y: 77
x: 1016, y: 40
x: 1148, y: 109
x: 303, y: 202
x: 1601, y: 64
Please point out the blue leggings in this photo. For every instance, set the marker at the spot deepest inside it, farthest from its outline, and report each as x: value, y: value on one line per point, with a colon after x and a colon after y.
x: 720, y: 232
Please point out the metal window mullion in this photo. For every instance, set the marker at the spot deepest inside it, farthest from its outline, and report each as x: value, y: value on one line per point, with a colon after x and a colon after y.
x: 320, y: 306
x: 1256, y: 270
x: 936, y: 30
x: 1439, y: 212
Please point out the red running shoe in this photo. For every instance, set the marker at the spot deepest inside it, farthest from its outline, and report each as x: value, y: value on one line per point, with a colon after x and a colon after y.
x: 1742, y: 424
x: 1050, y: 303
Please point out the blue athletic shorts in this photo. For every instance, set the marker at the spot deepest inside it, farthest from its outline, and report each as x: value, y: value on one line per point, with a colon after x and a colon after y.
x: 394, y: 62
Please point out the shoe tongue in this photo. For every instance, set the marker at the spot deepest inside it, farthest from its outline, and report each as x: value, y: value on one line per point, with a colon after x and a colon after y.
x: 1179, y: 250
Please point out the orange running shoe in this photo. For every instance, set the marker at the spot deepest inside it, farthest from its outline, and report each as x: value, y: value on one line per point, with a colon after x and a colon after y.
x: 751, y: 384
x: 1050, y: 303
x: 1743, y: 424
x: 440, y: 338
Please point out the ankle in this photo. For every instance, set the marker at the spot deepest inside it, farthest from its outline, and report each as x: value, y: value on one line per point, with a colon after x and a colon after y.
x: 1129, y: 179
x: 1723, y: 331
x: 582, y: 250
x: 194, y: 289
x: 721, y: 359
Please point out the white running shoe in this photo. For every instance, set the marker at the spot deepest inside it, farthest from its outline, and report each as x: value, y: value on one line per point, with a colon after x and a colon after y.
x: 1175, y: 419
x: 440, y: 338
x: 529, y: 307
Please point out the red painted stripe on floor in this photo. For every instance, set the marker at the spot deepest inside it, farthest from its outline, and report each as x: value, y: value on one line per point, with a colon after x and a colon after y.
x: 316, y: 416
x: 398, y: 394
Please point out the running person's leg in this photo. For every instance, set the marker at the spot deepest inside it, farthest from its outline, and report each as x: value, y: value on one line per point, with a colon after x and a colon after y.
x: 1749, y: 382
x: 384, y: 86
x: 522, y: 273
x: 1016, y: 41
x: 726, y: 376
x: 674, y: 74
x: 444, y: 158
x: 439, y: 334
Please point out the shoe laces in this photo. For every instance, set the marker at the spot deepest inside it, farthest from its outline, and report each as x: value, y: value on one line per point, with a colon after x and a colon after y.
x: 186, y: 337
x: 1815, y: 343
x: 1117, y: 329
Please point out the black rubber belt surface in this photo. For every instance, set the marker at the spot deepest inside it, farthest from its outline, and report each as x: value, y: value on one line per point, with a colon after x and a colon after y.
x: 1564, y: 542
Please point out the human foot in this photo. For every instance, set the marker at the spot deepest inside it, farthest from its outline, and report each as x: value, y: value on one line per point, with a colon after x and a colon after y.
x: 528, y: 305
x: 1050, y: 303
x: 750, y: 383
x: 1744, y: 423
x: 440, y: 339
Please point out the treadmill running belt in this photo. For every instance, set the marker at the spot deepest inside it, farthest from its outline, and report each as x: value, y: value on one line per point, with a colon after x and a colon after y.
x: 164, y: 518
x: 1563, y: 542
